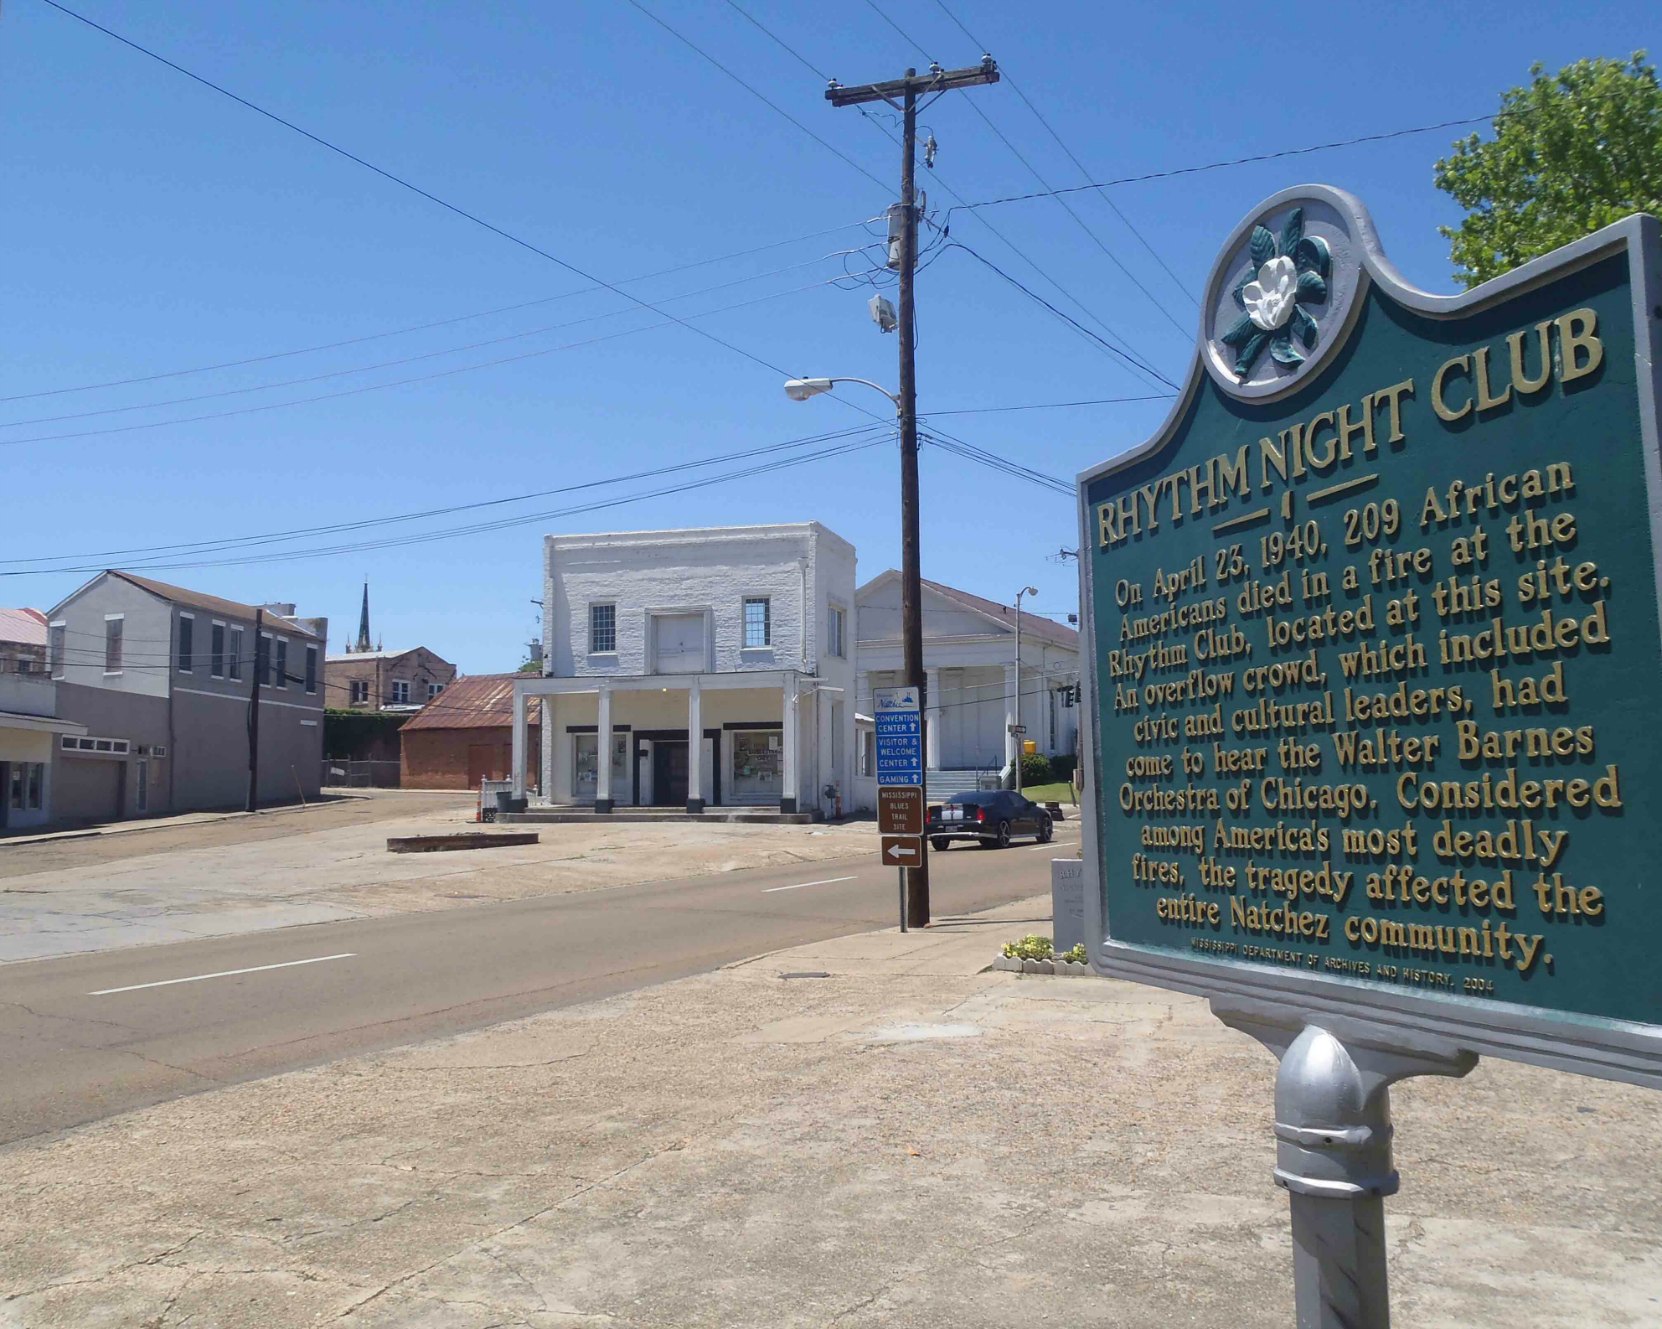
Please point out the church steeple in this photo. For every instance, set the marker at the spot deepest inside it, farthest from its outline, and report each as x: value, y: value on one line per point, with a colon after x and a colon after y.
x: 363, y: 624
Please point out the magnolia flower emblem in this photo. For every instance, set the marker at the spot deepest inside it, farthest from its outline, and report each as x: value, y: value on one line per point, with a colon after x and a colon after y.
x: 1285, y: 276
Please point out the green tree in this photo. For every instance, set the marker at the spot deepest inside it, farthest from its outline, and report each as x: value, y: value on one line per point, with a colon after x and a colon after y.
x: 1572, y: 152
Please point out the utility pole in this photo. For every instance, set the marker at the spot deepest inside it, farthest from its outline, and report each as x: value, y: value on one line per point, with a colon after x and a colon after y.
x: 902, y: 94
x: 254, y: 716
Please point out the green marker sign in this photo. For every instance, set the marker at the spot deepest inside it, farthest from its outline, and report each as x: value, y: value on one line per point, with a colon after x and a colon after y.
x: 1376, y: 651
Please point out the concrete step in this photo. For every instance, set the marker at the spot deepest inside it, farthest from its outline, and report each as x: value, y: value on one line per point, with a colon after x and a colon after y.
x: 761, y: 816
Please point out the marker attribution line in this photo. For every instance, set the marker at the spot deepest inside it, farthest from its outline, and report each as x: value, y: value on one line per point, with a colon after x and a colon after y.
x: 824, y: 881
x: 223, y: 973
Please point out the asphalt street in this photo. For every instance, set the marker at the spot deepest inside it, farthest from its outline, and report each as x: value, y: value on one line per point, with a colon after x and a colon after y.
x: 84, y: 1037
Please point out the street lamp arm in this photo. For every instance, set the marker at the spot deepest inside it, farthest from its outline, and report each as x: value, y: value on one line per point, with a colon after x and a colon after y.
x: 800, y: 389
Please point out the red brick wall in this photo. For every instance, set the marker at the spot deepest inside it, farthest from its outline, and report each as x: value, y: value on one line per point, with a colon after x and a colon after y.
x: 440, y: 758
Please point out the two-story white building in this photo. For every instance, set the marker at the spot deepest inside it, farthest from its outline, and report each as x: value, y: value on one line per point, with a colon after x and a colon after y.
x: 694, y: 669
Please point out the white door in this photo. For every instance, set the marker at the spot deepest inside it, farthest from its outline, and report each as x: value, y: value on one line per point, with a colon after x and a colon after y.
x: 678, y: 643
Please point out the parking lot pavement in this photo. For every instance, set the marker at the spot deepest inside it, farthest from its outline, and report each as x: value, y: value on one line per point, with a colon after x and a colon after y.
x: 329, y: 862
x: 868, y: 1130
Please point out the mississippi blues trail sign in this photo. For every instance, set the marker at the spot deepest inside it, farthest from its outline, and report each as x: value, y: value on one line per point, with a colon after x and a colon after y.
x: 1376, y: 653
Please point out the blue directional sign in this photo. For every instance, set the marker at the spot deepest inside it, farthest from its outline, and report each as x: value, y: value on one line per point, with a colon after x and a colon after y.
x: 899, y: 729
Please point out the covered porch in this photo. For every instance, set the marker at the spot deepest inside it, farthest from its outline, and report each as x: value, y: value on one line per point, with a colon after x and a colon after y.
x: 681, y: 742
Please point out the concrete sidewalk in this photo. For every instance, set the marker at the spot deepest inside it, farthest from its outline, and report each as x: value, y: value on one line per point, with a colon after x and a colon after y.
x: 910, y: 1140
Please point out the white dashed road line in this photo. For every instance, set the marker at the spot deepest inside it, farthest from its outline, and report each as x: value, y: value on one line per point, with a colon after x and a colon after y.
x: 223, y: 973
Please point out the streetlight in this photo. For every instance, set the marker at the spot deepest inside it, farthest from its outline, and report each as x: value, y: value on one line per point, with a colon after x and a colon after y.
x: 916, y: 912
x: 800, y: 389
x: 1021, y: 736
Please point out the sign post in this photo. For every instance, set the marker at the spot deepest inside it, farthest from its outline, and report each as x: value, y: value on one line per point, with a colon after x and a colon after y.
x: 898, y: 726
x: 1373, y: 629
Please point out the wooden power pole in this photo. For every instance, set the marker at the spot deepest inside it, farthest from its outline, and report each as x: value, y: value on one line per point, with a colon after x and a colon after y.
x: 254, y: 716
x: 902, y: 94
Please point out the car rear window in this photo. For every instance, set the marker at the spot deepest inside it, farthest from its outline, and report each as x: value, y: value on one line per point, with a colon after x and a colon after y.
x: 973, y: 800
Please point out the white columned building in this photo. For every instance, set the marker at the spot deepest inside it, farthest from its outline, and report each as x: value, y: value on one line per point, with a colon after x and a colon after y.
x: 695, y: 669
x: 969, y: 655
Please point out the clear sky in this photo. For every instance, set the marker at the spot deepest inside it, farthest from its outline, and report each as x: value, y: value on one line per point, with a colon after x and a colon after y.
x: 150, y: 225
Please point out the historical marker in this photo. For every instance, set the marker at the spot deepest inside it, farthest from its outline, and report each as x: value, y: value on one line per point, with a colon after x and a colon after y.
x: 1374, y: 632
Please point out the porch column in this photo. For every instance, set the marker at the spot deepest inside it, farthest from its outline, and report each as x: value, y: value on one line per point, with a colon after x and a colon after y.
x: 787, y: 793
x: 1012, y: 742
x: 603, y: 771
x: 517, y: 774
x: 695, y: 748
x: 545, y: 758
x: 932, y: 720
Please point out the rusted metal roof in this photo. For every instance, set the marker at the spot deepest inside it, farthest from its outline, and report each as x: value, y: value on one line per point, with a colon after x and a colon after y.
x: 479, y: 701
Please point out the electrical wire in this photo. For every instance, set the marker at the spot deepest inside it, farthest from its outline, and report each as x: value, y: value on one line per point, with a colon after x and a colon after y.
x: 1047, y: 405
x: 427, y: 378
x: 448, y: 533
x: 192, y: 548
x: 1237, y: 161
x: 970, y: 452
x: 748, y: 87
x: 415, y: 359
x: 1051, y: 130
x: 431, y: 197
x: 939, y: 179
x: 1097, y: 240
x: 1066, y: 317
x: 425, y: 327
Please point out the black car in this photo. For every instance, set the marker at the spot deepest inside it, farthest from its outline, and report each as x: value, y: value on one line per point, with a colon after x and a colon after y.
x: 992, y: 818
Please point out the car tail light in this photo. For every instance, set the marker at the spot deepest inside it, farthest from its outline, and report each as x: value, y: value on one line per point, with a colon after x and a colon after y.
x: 981, y: 814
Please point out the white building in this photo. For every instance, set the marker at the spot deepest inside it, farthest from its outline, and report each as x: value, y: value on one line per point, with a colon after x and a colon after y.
x: 732, y: 643
x: 969, y: 657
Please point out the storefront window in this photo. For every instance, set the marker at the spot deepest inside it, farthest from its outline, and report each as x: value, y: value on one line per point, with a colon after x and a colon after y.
x: 758, y: 765
x: 585, y: 765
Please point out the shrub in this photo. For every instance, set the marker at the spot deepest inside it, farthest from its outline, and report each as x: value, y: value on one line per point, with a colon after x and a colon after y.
x: 1077, y: 954
x: 1029, y: 948
x: 1035, y: 769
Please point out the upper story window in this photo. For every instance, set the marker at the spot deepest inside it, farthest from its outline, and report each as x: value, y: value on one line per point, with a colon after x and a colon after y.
x: 262, y: 660
x: 311, y: 669
x: 602, y: 629
x: 216, y: 650
x: 758, y: 622
x: 55, y: 636
x: 113, y: 625
x: 233, y: 666
x: 401, y: 692
x: 358, y: 691
x: 280, y: 664
x: 433, y: 690
x: 187, y: 643
x: 836, y: 632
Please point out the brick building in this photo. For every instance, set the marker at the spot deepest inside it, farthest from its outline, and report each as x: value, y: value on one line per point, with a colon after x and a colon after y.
x: 22, y: 641
x: 463, y: 737
x: 385, y: 680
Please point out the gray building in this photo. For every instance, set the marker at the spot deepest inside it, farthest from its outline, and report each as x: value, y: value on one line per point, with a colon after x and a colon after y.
x: 163, y: 679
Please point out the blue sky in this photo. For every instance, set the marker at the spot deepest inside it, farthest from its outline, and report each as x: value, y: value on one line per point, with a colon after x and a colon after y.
x: 153, y: 226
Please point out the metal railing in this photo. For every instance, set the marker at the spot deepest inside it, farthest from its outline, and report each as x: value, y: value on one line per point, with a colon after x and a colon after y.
x: 353, y: 774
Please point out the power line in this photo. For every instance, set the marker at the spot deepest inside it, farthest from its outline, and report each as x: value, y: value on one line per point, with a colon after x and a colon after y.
x: 480, y: 527
x: 748, y: 87
x: 1050, y: 129
x: 416, y: 189
x: 443, y: 373
x: 971, y: 452
x: 408, y: 359
x: 1065, y: 317
x: 939, y: 179
x: 1049, y: 405
x: 1234, y: 161
x: 424, y: 327
x: 271, y: 537
x: 1034, y: 172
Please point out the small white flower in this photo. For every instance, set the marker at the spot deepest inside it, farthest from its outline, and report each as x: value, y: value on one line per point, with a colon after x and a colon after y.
x: 1271, y: 299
